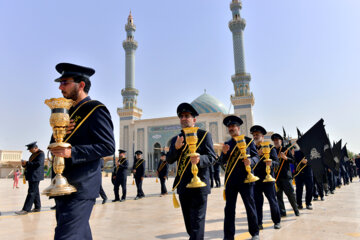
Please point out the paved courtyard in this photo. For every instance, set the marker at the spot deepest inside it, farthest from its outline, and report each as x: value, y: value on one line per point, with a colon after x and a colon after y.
x: 154, y: 217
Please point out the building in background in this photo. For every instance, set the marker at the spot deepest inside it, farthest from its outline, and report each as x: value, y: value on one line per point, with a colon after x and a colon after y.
x: 153, y: 135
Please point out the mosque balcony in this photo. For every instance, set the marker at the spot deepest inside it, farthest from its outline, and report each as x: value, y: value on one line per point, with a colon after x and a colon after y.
x: 234, y: 5
x: 129, y: 112
x: 243, y: 100
x: 243, y: 77
x: 237, y: 25
x: 130, y: 27
x: 128, y: 92
x: 130, y: 44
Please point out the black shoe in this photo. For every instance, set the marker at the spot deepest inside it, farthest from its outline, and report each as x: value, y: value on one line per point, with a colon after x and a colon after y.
x: 315, y: 199
x: 261, y: 227
x: 116, y: 200
x: 137, y: 197
x: 277, y: 226
x: 53, y: 208
x: 300, y: 207
x: 36, y: 210
x: 309, y: 207
x: 22, y: 212
x: 297, y: 213
x: 326, y: 194
x: 283, y: 214
x: 104, y: 200
x: 122, y: 200
x: 322, y: 199
x: 332, y: 192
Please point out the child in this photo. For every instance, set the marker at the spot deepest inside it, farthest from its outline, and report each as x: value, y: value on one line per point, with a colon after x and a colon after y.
x: 17, y: 174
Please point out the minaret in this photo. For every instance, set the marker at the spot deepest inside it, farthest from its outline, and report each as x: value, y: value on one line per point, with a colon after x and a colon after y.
x: 129, y: 93
x: 129, y: 112
x: 243, y: 100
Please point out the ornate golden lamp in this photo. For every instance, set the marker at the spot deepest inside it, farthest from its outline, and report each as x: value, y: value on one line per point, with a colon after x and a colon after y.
x: 241, y: 144
x: 59, y: 120
x: 265, y: 146
x: 191, y: 139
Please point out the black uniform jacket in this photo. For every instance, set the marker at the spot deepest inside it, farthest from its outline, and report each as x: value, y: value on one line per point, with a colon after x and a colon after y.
x: 34, y: 170
x: 285, y: 172
x: 120, y: 172
x: 307, y: 171
x: 238, y: 173
x: 140, y: 170
x: 163, y: 172
x: 93, y: 140
x: 207, y: 157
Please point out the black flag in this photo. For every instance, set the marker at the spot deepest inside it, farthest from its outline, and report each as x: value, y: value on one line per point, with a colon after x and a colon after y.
x: 313, y: 144
x: 298, y: 133
x: 337, y: 154
x: 345, y: 153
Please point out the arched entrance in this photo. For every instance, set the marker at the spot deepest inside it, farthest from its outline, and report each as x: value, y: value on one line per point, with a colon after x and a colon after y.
x: 156, y: 159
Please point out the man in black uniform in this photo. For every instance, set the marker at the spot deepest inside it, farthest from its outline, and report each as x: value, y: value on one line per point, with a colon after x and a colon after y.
x: 235, y: 175
x: 102, y: 192
x: 162, y: 173
x: 267, y: 188
x: 217, y: 174
x: 211, y: 172
x: 303, y: 176
x: 193, y: 200
x: 91, y: 136
x: 139, y: 173
x: 119, y: 176
x: 34, y: 173
x: 357, y: 163
x: 283, y: 175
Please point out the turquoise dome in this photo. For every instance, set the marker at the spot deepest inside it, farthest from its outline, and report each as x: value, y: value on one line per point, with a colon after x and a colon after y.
x: 208, y: 104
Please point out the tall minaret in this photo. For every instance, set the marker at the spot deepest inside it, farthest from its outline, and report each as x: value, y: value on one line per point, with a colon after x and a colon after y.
x: 129, y: 112
x: 243, y: 100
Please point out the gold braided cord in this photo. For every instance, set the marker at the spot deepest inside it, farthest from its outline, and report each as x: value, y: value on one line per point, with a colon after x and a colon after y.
x: 67, y: 139
x: 232, y: 169
x: 187, y: 164
x: 138, y: 164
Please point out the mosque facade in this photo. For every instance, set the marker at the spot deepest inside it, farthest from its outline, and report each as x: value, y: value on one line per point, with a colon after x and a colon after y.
x: 152, y: 136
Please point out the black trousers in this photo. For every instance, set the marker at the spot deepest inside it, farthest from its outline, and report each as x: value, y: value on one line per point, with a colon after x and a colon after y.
x: 268, y: 188
x: 318, y: 189
x: 246, y: 191
x: 211, y: 179
x: 140, y: 192
x: 33, y: 196
x: 72, y: 217
x: 331, y: 181
x: 217, y: 178
x: 300, y: 181
x: 121, y: 183
x: 163, y: 185
x: 285, y: 185
x: 193, y: 206
x: 102, y: 193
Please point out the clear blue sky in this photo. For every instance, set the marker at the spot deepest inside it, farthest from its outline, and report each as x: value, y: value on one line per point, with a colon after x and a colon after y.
x: 303, y: 57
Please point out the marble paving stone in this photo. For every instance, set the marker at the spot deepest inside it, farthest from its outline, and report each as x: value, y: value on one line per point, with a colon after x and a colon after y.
x: 155, y: 217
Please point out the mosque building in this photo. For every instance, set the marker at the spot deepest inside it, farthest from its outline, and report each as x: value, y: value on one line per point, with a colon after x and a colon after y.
x: 151, y: 136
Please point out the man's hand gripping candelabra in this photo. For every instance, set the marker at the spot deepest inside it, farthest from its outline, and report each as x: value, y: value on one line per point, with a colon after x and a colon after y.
x: 265, y: 146
x: 59, y: 120
x: 241, y: 144
x: 191, y: 140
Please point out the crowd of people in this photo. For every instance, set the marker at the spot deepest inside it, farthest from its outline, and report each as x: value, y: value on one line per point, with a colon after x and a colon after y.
x: 253, y: 167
